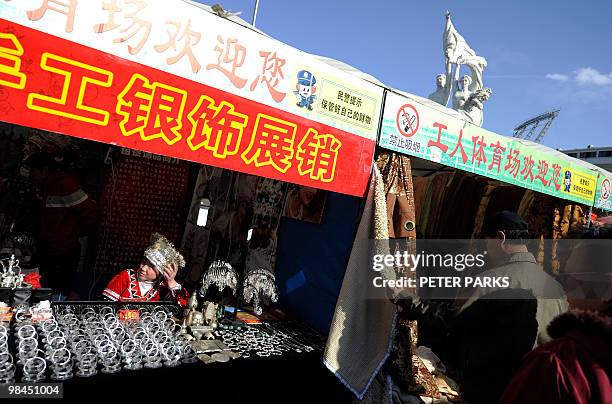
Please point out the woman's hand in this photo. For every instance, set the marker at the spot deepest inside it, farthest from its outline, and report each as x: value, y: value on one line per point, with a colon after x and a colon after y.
x: 169, y: 273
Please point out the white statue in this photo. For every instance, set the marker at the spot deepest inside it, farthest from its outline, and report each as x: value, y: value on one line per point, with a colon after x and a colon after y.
x: 457, y: 51
x: 473, y: 107
x: 443, y: 90
x: 463, y: 90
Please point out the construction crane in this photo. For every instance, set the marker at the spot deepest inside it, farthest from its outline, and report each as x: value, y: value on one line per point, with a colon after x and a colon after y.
x: 536, y: 127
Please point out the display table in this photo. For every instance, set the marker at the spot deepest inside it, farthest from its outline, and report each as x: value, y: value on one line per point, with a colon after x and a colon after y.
x: 289, y: 378
x: 86, y: 345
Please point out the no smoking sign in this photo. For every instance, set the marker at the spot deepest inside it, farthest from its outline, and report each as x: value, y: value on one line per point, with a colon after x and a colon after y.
x: 605, y: 189
x: 407, y: 120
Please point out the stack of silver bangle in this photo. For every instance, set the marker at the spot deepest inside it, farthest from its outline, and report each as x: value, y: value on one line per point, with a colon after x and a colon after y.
x: 262, y: 340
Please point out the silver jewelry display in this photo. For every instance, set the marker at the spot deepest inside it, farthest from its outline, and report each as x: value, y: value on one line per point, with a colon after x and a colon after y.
x: 11, y: 276
x: 264, y: 340
x: 220, y: 274
x: 61, y: 364
x: 259, y: 283
x: 7, y: 366
x: 74, y: 344
x: 34, y: 370
x: 82, y: 341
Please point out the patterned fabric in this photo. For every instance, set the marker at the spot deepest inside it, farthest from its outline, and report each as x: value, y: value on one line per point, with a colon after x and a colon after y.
x: 550, y: 218
x: 142, y: 195
x: 461, y: 205
x: 406, y: 368
x: 397, y: 176
x: 125, y: 287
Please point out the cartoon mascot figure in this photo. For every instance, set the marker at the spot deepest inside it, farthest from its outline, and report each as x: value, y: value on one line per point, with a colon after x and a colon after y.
x: 305, y: 89
x: 568, y: 181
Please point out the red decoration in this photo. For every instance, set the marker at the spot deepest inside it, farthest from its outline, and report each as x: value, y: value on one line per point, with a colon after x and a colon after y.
x: 33, y: 279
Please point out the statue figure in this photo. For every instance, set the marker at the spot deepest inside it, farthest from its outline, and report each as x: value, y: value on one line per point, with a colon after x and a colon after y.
x: 457, y: 51
x: 467, y: 97
x: 463, y: 91
x: 443, y: 90
x: 473, y: 107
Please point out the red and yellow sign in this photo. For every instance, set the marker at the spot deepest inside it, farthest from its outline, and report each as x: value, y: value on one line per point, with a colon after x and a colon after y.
x: 53, y: 84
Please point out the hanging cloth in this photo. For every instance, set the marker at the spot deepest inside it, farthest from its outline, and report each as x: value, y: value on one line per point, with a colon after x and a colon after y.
x: 361, y: 332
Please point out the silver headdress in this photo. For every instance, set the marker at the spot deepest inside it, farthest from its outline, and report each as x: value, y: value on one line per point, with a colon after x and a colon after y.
x: 161, y: 252
x: 259, y: 282
x: 222, y: 275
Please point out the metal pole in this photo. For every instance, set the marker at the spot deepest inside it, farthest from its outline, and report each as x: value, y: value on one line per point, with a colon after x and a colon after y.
x: 255, y: 12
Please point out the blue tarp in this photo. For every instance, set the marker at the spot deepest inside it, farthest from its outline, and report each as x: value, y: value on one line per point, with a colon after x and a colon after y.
x: 312, y: 258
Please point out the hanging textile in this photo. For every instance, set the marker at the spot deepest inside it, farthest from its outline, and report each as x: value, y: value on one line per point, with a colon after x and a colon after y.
x: 360, y: 336
x: 397, y: 177
x: 419, y: 185
x: 482, y: 211
x: 404, y: 365
x: 143, y: 194
x: 434, y: 202
x: 550, y: 219
x: 461, y: 205
x: 239, y: 203
x: 267, y: 211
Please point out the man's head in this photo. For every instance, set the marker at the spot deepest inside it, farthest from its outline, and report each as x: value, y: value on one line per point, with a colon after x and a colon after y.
x: 39, y: 165
x: 147, y: 271
x: 505, y: 233
x: 585, y: 275
x: 441, y: 80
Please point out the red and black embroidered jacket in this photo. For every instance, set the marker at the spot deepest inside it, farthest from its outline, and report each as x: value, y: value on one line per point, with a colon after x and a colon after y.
x: 125, y: 287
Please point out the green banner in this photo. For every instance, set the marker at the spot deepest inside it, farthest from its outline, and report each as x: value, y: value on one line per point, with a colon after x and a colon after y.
x: 413, y: 128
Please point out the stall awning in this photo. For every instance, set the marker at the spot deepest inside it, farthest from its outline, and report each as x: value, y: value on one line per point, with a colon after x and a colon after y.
x: 175, y: 79
x: 419, y: 127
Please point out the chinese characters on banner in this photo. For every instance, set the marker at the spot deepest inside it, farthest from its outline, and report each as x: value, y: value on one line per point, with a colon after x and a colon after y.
x: 187, y: 41
x: 93, y: 96
x: 451, y: 141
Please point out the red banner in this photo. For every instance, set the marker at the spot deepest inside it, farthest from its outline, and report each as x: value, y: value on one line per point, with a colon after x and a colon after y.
x: 60, y: 86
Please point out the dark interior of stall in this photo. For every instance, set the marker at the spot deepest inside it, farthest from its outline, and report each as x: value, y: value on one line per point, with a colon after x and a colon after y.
x: 302, y: 234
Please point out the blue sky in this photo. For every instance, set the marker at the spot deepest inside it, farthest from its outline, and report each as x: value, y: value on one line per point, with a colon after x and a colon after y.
x: 541, y: 55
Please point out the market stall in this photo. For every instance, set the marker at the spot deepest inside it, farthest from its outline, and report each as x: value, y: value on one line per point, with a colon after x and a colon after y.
x: 438, y: 179
x: 213, y: 138
x: 463, y: 174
